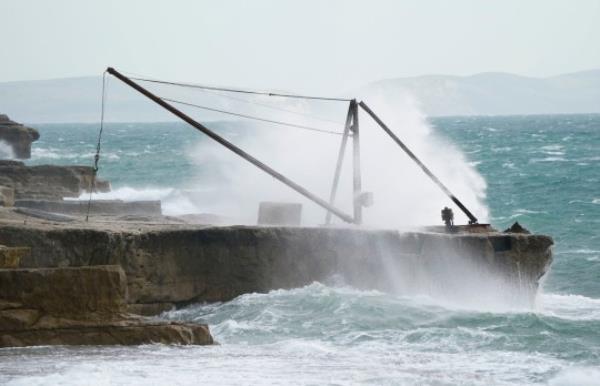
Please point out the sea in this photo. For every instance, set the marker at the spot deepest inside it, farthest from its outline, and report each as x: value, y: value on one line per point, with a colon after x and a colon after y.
x: 540, y: 170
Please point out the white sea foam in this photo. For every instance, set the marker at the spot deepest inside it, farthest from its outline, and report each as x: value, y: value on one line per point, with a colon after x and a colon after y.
x: 319, y: 335
x: 131, y: 194
x: 173, y: 201
x: 547, y: 159
x: 290, y: 362
x: 528, y: 211
x: 585, y: 251
x: 571, y: 307
x: 577, y: 376
x: 54, y: 154
x: 523, y: 212
x: 555, y: 147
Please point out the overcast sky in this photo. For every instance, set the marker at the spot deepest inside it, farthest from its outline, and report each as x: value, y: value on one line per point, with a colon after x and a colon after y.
x: 304, y: 45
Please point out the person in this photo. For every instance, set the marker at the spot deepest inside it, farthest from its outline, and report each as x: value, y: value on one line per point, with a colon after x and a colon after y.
x: 448, y: 217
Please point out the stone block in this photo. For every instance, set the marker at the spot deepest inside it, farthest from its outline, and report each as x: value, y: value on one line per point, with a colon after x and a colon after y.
x: 80, y: 306
x: 73, y: 291
x: 279, y: 213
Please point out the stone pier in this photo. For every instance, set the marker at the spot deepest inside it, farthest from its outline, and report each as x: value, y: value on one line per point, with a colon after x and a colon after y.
x: 175, y: 264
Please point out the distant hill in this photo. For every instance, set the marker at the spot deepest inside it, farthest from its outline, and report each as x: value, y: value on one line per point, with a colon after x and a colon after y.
x: 78, y: 99
x: 72, y: 100
x: 495, y: 93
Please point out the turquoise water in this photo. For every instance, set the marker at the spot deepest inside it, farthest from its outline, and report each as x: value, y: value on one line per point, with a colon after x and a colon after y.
x: 543, y: 171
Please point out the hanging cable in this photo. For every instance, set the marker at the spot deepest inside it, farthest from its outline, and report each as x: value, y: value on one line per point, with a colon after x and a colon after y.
x: 265, y: 105
x: 92, y: 185
x: 254, y: 92
x: 271, y: 107
x: 252, y: 117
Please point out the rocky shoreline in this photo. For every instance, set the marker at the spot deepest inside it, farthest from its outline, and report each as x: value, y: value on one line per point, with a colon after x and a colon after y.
x: 67, y: 304
x: 163, y: 263
x: 66, y: 280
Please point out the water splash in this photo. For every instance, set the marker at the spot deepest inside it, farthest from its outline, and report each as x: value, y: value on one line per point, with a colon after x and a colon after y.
x: 404, y: 196
x: 6, y: 151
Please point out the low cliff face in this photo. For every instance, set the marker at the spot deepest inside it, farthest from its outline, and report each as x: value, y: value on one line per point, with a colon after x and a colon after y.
x: 49, y: 182
x: 17, y: 136
x: 79, y: 306
x: 218, y: 264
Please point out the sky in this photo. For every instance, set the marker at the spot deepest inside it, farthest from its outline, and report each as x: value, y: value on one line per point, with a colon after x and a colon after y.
x: 306, y: 45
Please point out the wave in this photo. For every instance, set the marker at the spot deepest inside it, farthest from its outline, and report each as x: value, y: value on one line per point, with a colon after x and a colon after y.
x: 131, y: 194
x: 570, y: 307
x: 518, y: 213
x: 337, y: 334
x: 38, y: 153
x: 547, y: 159
x: 51, y: 153
x: 503, y: 149
x: 345, y: 314
x: 584, y: 251
x: 528, y: 211
x: 174, y: 202
x: 552, y: 147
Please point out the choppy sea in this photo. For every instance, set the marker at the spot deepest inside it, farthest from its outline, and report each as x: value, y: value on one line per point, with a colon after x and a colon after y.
x: 543, y: 171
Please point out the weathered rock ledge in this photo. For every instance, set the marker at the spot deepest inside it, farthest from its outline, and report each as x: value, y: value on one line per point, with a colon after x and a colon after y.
x: 47, y: 182
x: 80, y: 306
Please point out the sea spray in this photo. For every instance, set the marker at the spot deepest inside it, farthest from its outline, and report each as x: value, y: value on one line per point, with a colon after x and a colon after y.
x: 404, y: 196
x: 463, y: 281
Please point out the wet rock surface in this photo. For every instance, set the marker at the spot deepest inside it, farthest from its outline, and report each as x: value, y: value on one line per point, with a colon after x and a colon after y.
x: 80, y: 306
x: 17, y: 136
